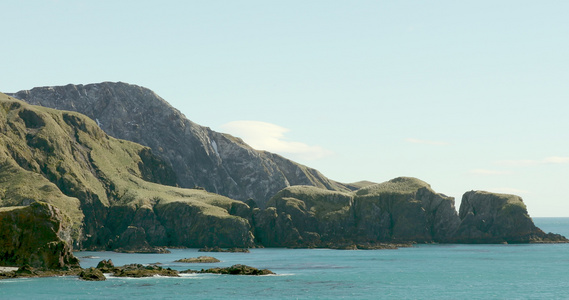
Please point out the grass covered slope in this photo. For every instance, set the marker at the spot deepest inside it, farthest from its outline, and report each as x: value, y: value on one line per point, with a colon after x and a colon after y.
x: 111, y: 192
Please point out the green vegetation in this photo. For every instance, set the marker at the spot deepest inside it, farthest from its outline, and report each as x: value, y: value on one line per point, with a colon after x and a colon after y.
x: 65, y: 159
x: 400, y: 185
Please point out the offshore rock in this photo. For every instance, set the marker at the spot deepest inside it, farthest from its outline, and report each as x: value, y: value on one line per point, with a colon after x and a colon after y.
x: 199, y: 259
x: 92, y: 274
x: 238, y: 270
x: 498, y: 218
x: 218, y: 162
x: 217, y: 249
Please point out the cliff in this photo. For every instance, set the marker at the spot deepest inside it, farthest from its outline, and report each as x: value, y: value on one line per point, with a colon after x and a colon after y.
x: 218, y: 162
x: 65, y: 183
x: 402, y: 210
x: 398, y: 211
x: 33, y: 235
x: 498, y: 218
x: 111, y: 193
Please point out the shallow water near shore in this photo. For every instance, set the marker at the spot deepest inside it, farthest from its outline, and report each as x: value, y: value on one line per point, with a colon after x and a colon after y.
x: 536, y: 271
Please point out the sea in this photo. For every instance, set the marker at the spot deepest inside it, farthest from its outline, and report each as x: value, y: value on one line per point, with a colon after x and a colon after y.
x: 433, y: 271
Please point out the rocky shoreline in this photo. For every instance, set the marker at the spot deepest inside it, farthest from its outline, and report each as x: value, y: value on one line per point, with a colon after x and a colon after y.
x: 130, y: 270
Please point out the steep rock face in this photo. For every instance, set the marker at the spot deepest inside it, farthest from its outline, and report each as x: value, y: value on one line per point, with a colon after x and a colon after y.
x: 400, y: 210
x: 404, y: 209
x: 199, y: 156
x: 100, y: 185
x: 498, y: 218
x: 31, y: 236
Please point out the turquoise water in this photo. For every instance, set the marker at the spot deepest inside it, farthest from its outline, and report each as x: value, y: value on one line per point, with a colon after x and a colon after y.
x: 421, y: 272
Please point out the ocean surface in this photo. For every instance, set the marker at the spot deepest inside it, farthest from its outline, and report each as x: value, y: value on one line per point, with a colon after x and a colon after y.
x: 537, y: 271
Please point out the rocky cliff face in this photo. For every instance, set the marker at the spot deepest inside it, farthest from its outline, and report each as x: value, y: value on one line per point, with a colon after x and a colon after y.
x: 218, y: 162
x: 64, y: 182
x: 400, y: 210
x: 32, y: 235
x: 103, y: 186
x: 498, y: 218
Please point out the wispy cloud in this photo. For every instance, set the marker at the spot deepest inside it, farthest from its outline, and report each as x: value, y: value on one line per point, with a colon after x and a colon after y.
x: 488, y: 172
x: 271, y: 137
x: 425, y: 142
x: 530, y: 162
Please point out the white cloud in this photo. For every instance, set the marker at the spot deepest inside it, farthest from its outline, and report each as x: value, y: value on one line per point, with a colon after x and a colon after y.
x: 271, y: 137
x: 530, y: 162
x: 488, y: 172
x: 425, y: 142
x: 556, y: 160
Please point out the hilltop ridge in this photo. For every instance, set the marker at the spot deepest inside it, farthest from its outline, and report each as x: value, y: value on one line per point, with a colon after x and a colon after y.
x: 199, y: 156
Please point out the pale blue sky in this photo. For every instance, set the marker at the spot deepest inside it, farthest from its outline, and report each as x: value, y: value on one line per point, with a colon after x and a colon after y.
x: 462, y: 94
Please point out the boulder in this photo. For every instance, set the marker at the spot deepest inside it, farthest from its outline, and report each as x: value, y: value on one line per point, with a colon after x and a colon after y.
x: 92, y: 274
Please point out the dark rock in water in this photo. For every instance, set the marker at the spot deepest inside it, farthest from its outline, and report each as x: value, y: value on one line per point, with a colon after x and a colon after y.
x: 217, y: 249
x: 92, y: 274
x: 498, y: 218
x: 138, y: 270
x: 199, y: 259
x: 148, y: 249
x: 369, y: 246
x: 238, y: 270
x: 106, y: 265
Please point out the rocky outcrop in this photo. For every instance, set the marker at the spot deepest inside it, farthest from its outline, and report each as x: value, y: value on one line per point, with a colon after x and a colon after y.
x: 398, y: 211
x: 92, y: 274
x: 218, y: 162
x: 100, y: 185
x: 31, y: 236
x: 97, y: 192
x: 498, y: 218
x: 199, y: 259
x: 392, y: 214
x: 237, y: 270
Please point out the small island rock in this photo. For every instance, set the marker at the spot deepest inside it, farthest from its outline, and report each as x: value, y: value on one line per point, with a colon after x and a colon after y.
x: 200, y: 259
x: 92, y: 274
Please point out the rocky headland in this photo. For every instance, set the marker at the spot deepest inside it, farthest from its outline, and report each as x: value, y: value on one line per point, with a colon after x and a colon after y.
x: 199, y: 156
x: 66, y: 184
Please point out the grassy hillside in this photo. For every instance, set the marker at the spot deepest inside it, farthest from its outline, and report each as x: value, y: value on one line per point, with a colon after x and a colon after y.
x: 65, y: 159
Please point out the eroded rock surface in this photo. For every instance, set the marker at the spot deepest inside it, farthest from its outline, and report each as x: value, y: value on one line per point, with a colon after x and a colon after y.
x: 218, y: 162
x: 498, y: 218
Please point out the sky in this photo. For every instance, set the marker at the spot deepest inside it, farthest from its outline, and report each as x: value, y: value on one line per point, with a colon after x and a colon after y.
x: 465, y: 95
